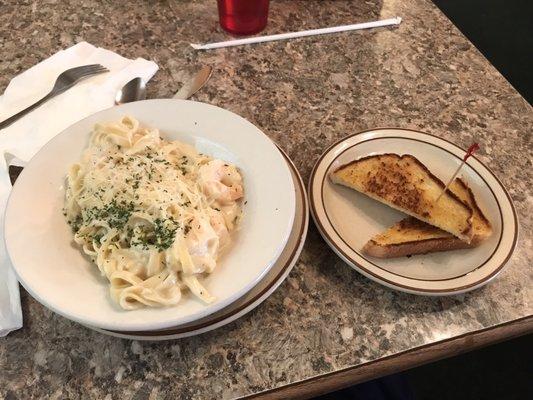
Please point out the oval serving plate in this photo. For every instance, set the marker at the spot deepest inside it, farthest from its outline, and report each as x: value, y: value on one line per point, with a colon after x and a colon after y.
x: 53, y: 270
x: 348, y: 219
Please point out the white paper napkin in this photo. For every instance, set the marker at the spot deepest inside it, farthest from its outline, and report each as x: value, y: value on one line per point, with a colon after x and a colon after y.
x: 25, y: 137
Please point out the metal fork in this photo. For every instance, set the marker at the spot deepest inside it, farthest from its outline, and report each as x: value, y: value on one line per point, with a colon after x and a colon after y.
x: 63, y: 82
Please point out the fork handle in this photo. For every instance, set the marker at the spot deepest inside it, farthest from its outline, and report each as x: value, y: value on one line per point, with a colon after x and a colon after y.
x: 5, y: 123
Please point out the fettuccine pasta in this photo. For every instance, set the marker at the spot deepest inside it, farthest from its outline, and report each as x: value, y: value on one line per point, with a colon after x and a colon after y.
x: 153, y: 215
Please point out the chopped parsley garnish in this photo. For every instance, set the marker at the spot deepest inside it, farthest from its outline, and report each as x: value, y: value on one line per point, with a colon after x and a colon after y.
x: 98, y: 237
x: 116, y: 214
x: 165, y: 232
x: 160, y: 236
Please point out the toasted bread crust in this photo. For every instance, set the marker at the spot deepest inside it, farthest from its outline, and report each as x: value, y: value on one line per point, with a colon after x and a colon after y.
x: 373, y: 249
x: 473, y: 201
x: 409, y: 199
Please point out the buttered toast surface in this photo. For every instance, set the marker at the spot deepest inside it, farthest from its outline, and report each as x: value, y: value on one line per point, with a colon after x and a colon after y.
x: 404, y: 183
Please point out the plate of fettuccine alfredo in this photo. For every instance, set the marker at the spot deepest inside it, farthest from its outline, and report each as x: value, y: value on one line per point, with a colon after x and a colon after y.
x: 149, y: 215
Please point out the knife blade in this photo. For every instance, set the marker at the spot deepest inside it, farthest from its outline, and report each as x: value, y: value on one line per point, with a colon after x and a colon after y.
x: 194, y: 84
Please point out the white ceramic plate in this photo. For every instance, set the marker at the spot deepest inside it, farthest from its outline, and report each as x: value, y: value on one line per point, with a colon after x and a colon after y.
x: 53, y: 269
x: 254, y: 297
x: 348, y: 219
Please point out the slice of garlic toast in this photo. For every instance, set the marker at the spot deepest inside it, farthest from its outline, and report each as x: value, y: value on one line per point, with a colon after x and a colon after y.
x: 411, y: 236
x: 404, y: 183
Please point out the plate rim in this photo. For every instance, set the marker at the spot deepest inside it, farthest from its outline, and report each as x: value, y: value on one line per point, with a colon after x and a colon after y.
x: 249, y: 305
x: 208, y: 310
x: 400, y: 286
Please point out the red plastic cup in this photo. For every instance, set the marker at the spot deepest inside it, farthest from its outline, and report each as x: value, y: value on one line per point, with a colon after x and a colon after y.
x: 243, y: 17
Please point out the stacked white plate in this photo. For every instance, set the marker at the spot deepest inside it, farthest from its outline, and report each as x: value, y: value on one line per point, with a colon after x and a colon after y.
x: 54, y: 271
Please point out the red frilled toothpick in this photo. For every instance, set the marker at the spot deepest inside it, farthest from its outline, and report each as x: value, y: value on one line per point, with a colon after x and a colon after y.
x: 471, y: 150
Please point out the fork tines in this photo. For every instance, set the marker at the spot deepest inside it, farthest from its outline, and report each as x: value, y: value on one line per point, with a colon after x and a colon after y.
x: 89, y: 69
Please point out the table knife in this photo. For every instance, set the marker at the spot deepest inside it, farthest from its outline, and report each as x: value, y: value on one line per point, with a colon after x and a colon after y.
x: 194, y: 84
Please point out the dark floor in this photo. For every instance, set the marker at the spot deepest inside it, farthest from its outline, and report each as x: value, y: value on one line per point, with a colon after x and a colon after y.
x: 503, y: 31
x: 500, y: 372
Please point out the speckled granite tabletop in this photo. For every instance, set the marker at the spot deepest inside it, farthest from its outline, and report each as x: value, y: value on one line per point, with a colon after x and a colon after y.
x: 305, y: 94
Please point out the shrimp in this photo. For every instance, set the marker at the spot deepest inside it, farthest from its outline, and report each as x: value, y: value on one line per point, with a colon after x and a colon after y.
x: 221, y: 181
